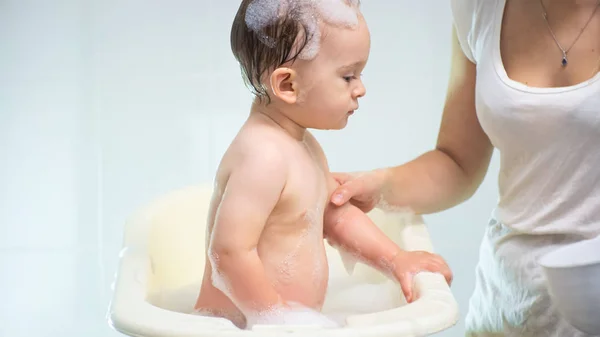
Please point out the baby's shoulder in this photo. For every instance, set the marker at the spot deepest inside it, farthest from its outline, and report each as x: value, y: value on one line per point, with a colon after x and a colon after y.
x: 262, y: 141
x: 256, y: 149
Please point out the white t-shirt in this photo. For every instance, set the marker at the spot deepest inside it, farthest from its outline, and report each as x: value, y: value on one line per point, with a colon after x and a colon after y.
x: 548, y: 138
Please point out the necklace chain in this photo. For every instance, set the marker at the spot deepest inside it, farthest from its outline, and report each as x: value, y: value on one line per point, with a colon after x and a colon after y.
x: 565, y: 51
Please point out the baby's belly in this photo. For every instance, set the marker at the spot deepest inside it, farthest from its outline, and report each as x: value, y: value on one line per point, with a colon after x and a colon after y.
x: 301, y: 275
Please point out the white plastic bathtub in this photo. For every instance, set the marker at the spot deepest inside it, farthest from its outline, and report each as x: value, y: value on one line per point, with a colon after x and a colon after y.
x: 162, y: 262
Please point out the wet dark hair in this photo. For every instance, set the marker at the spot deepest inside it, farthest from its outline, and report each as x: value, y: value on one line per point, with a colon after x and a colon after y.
x: 288, y: 36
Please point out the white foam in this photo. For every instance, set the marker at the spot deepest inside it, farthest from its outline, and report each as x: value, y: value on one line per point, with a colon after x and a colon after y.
x: 339, y: 12
x: 262, y: 13
x: 386, y: 206
x: 295, y: 314
x: 218, y: 280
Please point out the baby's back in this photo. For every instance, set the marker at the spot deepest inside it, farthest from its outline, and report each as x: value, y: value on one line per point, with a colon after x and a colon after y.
x: 290, y: 246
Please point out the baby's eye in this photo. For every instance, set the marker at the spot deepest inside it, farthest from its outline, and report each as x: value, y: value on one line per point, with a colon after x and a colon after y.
x: 351, y: 77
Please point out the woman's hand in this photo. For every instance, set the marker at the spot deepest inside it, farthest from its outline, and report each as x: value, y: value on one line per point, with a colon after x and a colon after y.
x: 363, y: 190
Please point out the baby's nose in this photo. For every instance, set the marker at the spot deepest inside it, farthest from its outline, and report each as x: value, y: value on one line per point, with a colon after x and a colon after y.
x: 360, y: 90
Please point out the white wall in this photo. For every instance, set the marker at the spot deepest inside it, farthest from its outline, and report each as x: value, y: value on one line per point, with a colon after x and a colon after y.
x: 105, y: 105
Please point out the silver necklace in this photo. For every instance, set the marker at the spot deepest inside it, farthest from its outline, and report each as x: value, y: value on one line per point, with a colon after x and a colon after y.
x: 565, y: 61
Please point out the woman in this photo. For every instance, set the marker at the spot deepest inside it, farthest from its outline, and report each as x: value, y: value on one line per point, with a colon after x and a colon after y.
x: 525, y: 81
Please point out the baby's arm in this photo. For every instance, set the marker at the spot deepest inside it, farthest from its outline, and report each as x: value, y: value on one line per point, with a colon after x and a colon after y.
x: 352, y: 230
x: 250, y: 195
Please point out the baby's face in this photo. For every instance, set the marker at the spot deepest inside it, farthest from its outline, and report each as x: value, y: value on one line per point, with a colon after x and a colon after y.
x: 330, y: 84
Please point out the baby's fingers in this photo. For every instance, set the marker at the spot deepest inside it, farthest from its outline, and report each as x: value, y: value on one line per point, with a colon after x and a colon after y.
x: 438, y: 265
x: 406, y: 283
x: 448, y: 274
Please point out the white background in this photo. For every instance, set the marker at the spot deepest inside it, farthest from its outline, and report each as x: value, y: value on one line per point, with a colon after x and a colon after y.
x: 107, y: 104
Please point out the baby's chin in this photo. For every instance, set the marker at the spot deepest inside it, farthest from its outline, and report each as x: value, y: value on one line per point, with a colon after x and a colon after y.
x: 340, y: 125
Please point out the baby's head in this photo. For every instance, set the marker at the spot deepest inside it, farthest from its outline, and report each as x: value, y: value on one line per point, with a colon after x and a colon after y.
x: 303, y: 58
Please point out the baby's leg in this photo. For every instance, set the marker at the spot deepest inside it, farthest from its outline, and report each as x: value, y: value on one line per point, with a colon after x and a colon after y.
x: 237, y: 319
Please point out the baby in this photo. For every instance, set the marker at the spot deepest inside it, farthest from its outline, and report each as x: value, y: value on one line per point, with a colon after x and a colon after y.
x: 269, y: 214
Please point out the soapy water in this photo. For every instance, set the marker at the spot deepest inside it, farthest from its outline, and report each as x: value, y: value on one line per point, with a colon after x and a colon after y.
x: 345, y: 298
x: 309, y: 13
x: 291, y: 314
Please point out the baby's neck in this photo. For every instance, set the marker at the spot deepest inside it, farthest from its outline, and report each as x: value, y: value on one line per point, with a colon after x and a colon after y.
x: 275, y: 115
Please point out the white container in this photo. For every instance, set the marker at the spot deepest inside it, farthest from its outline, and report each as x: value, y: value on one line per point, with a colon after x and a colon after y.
x: 573, y: 274
x: 162, y: 263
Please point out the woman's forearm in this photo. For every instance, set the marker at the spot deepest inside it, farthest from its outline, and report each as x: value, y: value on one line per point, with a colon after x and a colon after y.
x: 431, y: 183
x: 450, y: 174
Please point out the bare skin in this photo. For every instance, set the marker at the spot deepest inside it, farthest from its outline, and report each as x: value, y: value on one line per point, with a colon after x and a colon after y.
x: 282, y: 238
x: 451, y: 173
x: 289, y: 251
x: 534, y: 59
x: 270, y: 211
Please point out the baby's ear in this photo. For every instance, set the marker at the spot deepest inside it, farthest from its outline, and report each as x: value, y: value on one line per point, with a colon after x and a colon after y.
x: 284, y: 85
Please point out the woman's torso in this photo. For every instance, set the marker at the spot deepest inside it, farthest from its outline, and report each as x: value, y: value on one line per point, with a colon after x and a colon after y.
x: 543, y: 118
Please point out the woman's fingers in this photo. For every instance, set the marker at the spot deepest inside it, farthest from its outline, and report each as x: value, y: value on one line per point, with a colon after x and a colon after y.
x: 345, y: 192
x: 341, y: 177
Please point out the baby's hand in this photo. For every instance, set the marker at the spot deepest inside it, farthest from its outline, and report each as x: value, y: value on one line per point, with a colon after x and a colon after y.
x: 409, y: 263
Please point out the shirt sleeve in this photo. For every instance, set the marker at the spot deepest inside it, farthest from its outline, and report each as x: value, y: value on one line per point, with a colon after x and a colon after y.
x: 463, y: 15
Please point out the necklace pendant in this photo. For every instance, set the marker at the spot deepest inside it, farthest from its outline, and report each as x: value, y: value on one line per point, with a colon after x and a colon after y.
x: 564, y: 60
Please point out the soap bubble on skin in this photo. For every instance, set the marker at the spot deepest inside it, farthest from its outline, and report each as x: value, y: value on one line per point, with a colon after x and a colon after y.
x: 218, y: 280
x: 287, y: 268
x: 316, y: 231
x: 387, y: 207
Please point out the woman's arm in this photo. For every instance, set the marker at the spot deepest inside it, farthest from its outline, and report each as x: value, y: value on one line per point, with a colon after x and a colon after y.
x: 445, y: 176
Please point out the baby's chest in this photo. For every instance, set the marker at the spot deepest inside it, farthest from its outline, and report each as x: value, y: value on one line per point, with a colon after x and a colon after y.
x: 306, y: 190
x: 308, y: 184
